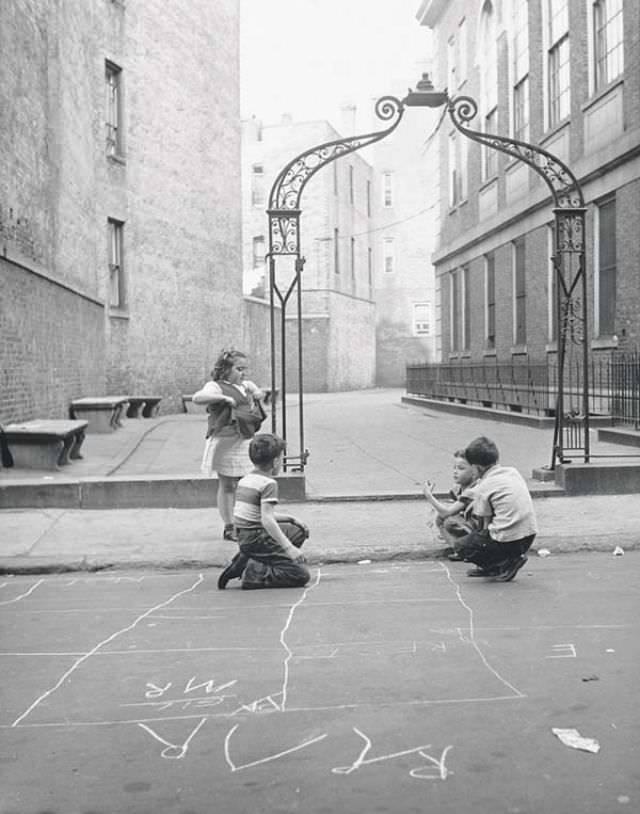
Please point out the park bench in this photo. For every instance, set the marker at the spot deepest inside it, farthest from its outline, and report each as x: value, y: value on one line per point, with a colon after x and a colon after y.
x: 103, y: 414
x: 46, y: 443
x: 189, y: 407
x: 143, y: 406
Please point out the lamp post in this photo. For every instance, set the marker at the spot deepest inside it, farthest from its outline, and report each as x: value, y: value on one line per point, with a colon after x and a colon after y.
x: 571, y: 432
x: 284, y: 240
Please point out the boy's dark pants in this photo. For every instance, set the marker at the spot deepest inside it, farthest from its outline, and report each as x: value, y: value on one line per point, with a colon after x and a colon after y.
x: 267, y: 566
x: 480, y: 548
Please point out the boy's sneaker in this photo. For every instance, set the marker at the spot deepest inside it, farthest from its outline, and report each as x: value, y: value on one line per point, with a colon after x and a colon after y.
x: 483, y: 572
x: 511, y: 569
x: 232, y: 571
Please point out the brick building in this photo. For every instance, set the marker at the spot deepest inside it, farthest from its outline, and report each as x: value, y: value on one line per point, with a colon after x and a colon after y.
x: 338, y: 310
x: 563, y: 74
x: 120, y: 219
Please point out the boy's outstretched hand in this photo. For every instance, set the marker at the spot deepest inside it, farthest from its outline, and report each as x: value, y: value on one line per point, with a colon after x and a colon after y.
x: 428, y: 488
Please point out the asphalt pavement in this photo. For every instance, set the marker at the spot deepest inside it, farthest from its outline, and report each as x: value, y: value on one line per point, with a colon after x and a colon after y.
x: 369, y: 454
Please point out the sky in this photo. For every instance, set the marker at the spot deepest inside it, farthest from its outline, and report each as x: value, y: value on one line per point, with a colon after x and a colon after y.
x: 307, y: 58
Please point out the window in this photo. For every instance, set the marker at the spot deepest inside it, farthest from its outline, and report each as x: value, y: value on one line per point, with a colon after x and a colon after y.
x: 336, y: 251
x: 519, y: 294
x: 462, y: 53
x: 388, y: 255
x: 368, y: 199
x: 113, y: 123
x: 257, y: 185
x: 422, y: 319
x: 457, y: 169
x: 370, y: 266
x: 350, y: 183
x: 490, y: 301
x: 521, y: 70
x: 460, y: 310
x: 558, y: 61
x: 489, y: 155
x: 387, y: 189
x: 353, y: 258
x: 335, y: 177
x: 552, y: 289
x: 488, y: 59
x: 606, y: 267
x: 115, y: 229
x: 258, y: 251
x: 451, y: 63
x: 608, y: 41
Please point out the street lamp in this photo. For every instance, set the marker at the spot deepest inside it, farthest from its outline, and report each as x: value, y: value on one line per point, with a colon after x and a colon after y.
x: 571, y: 433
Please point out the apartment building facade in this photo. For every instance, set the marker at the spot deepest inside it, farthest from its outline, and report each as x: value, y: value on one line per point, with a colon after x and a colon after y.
x: 337, y: 286
x: 562, y: 74
x: 120, y: 218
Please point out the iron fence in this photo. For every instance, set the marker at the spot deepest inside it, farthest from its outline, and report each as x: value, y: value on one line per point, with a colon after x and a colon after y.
x: 532, y: 387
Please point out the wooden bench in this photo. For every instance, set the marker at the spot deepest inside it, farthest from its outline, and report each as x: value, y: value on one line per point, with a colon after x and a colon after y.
x: 143, y: 406
x: 189, y: 407
x: 45, y: 444
x: 104, y: 414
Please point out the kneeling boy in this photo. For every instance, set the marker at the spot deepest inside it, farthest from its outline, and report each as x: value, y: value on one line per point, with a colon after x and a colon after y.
x: 269, y: 554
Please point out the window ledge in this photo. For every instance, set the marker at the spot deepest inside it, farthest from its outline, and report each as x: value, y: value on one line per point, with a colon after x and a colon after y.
x: 519, y: 350
x: 117, y: 159
x: 600, y: 94
x: 557, y: 128
x: 551, y: 347
x: 489, y: 352
x: 604, y: 343
x: 487, y: 183
x: 453, y: 209
x: 118, y: 313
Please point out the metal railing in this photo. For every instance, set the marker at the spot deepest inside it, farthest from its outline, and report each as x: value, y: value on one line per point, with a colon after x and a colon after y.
x: 532, y: 387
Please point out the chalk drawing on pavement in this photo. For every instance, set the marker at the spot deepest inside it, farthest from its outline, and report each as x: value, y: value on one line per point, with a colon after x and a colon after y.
x: 24, y: 595
x: 173, y: 751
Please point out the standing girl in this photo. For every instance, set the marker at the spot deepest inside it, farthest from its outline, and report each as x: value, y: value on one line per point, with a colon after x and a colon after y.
x: 230, y: 398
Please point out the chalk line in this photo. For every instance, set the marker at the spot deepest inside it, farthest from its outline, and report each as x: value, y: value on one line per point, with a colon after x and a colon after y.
x: 235, y: 768
x: 289, y: 655
x: 22, y: 596
x: 472, y: 640
x: 113, y: 636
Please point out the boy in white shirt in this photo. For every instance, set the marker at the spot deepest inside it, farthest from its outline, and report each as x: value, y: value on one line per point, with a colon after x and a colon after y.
x: 503, y: 502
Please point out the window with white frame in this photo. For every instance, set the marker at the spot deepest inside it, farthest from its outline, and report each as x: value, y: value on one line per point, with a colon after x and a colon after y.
x: 457, y: 169
x: 422, y: 321
x: 461, y: 67
x: 459, y: 309
x: 606, y: 267
x: 608, y: 38
x: 388, y: 255
x: 490, y: 301
x: 113, y: 112
x: 519, y: 294
x: 368, y: 198
x: 258, y: 251
x: 351, y: 184
x: 488, y: 85
x: 454, y: 312
x: 353, y: 258
x: 115, y: 234
x: 558, y: 65
x: 387, y: 189
x: 451, y: 63
x: 336, y: 250
x: 257, y: 185
x: 521, y: 70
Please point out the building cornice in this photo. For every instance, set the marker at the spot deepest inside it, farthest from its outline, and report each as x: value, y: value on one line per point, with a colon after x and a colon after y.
x: 430, y: 12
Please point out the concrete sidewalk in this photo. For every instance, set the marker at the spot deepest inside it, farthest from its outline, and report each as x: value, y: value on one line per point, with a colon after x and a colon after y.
x: 369, y: 454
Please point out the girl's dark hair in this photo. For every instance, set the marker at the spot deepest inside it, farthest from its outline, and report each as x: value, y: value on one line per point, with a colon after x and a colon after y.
x: 482, y: 451
x: 460, y: 453
x: 225, y: 361
x: 265, y: 448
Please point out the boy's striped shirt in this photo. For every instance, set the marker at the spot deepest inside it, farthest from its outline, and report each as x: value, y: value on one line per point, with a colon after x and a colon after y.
x: 253, y: 490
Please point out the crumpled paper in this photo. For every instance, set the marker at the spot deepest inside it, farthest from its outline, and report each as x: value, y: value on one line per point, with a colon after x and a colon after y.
x: 571, y: 737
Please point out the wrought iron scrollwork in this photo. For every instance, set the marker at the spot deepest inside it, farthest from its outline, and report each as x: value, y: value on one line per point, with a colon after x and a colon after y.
x: 284, y: 200
x: 559, y: 178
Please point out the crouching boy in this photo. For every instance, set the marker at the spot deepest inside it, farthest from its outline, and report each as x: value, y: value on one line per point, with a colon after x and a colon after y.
x: 269, y: 555
x: 503, y: 502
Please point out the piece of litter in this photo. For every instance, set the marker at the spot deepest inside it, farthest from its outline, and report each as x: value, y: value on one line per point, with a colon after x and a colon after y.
x: 618, y: 552
x: 591, y: 678
x: 571, y: 737
x: 543, y: 552
x: 364, y: 562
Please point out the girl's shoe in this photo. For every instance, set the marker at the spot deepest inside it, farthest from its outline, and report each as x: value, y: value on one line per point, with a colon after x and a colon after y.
x: 229, y: 533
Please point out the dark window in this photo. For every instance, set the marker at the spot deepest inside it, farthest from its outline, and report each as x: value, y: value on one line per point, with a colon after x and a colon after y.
x: 115, y: 229
x: 113, y: 113
x: 490, y: 283
x: 519, y: 293
x: 607, y: 267
x: 336, y: 251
